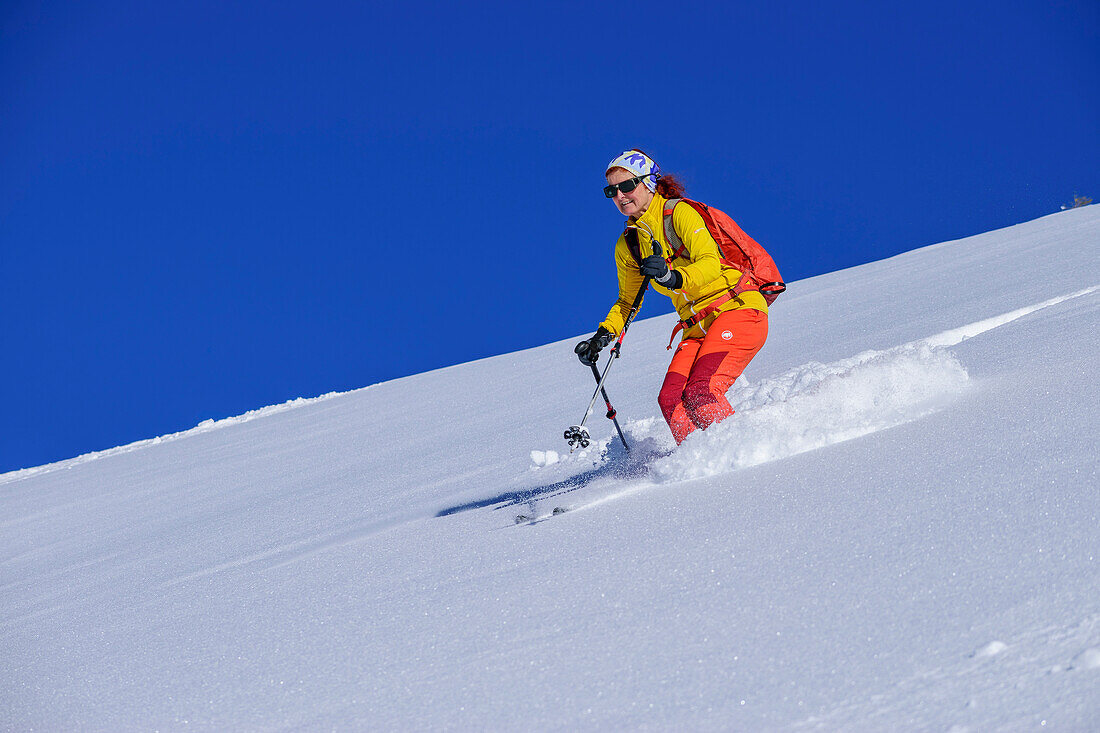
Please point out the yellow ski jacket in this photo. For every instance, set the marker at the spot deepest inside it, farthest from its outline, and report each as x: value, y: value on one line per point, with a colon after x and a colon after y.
x: 706, y: 279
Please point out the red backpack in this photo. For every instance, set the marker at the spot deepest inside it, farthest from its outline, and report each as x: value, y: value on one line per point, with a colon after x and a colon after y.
x: 739, y: 250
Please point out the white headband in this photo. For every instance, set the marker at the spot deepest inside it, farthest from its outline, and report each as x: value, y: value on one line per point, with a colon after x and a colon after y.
x: 639, y: 164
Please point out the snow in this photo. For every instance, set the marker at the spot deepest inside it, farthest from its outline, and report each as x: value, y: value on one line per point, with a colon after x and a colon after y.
x: 898, y: 530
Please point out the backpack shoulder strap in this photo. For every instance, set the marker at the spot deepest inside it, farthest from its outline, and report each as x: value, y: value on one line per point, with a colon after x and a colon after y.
x: 673, y: 239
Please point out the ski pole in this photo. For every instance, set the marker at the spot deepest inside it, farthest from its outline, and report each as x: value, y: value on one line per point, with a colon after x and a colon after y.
x: 578, y: 434
x: 611, y: 413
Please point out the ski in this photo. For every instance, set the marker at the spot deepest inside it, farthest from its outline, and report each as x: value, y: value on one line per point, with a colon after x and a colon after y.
x: 532, y: 517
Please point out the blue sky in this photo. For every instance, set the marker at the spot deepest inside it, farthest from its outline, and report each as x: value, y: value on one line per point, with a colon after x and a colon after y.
x: 209, y: 207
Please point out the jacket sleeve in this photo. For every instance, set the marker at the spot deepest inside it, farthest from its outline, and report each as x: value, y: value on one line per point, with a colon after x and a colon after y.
x: 630, y: 280
x: 706, y: 259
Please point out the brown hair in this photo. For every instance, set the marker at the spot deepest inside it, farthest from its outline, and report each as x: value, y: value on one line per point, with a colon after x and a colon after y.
x: 670, y: 187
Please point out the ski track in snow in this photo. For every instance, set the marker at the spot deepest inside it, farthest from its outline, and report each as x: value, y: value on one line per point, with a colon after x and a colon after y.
x: 810, y: 407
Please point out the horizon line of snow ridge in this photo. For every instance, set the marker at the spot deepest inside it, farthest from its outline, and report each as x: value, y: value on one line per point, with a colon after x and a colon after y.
x: 203, y: 427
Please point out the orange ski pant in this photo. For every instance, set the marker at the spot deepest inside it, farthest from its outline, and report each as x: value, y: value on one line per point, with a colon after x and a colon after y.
x: 702, y: 369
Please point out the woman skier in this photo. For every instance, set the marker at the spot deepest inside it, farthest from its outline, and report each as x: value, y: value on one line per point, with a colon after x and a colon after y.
x: 723, y: 327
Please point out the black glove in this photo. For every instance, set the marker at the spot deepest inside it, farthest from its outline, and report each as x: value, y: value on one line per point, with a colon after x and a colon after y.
x: 655, y: 267
x: 588, y: 351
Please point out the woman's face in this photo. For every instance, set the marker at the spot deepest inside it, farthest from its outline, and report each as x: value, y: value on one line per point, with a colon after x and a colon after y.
x: 629, y: 204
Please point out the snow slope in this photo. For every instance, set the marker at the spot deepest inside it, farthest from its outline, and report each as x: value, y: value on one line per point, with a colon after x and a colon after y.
x: 898, y: 530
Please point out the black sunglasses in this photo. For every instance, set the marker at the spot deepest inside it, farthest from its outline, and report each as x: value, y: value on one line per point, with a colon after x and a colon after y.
x: 626, y: 186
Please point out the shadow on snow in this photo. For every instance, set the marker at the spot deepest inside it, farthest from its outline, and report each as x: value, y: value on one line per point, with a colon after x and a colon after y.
x: 617, y: 465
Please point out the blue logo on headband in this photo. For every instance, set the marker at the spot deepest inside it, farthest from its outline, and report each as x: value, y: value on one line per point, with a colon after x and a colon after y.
x: 637, y: 159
